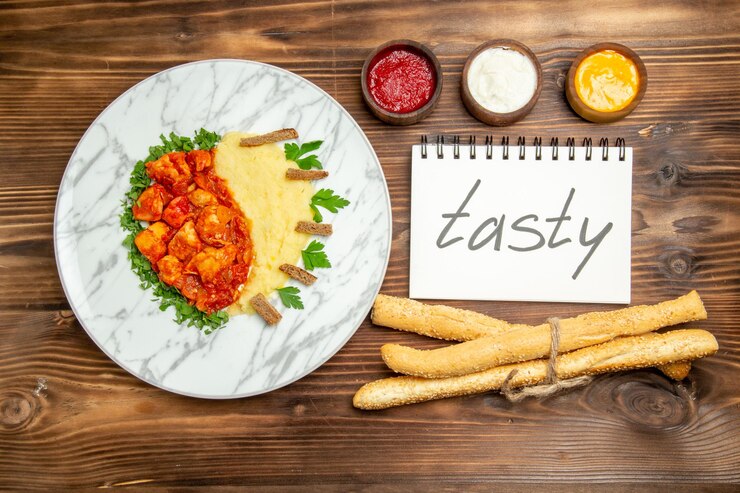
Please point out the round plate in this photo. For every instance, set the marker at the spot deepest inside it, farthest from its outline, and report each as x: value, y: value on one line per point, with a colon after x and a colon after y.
x: 246, y: 357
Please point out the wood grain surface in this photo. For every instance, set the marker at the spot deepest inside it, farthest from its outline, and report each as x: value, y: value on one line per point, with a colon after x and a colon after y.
x: 69, y: 417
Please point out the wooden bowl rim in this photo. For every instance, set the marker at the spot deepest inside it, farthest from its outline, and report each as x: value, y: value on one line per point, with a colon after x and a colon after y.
x: 492, y: 117
x: 585, y: 111
x: 412, y: 116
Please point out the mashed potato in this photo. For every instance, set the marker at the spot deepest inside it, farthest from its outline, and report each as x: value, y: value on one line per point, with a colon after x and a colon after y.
x: 273, y: 205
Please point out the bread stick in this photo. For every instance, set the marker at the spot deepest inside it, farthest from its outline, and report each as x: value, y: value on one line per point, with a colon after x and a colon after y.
x: 454, y: 324
x: 626, y: 353
x: 438, y: 321
x: 445, y: 322
x: 677, y: 371
x: 525, y: 342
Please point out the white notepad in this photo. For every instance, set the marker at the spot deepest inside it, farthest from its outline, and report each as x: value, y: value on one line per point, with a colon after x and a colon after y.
x: 522, y: 229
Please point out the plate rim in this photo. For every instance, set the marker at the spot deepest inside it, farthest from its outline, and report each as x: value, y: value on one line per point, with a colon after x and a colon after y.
x: 389, y: 236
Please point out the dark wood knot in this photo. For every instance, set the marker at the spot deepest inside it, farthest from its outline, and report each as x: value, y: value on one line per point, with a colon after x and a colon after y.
x: 662, y: 130
x: 298, y: 409
x: 16, y: 411
x: 186, y: 31
x: 651, y: 403
x: 64, y: 317
x: 678, y: 263
x: 560, y: 81
x: 672, y: 174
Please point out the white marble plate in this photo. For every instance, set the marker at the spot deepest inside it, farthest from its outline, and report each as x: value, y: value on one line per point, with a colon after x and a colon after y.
x: 246, y: 357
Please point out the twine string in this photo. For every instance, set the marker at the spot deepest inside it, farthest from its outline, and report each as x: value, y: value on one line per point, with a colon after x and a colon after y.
x: 552, y: 384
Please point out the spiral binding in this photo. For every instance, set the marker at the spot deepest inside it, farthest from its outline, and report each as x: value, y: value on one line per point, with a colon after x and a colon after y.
x: 621, y: 145
x: 604, y: 144
x: 522, y: 143
x: 589, y: 148
x: 538, y: 148
x: 570, y: 143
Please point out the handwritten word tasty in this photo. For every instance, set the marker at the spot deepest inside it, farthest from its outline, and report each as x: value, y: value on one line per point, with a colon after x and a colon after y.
x: 493, y: 230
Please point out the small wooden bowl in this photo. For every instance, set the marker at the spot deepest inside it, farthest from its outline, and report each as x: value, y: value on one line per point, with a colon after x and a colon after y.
x: 491, y: 117
x: 596, y: 116
x: 412, y: 116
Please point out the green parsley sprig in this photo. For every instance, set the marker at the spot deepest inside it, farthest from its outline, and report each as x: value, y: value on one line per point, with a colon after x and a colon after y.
x: 289, y: 295
x: 314, y: 256
x: 167, y: 296
x: 294, y: 153
x: 325, y: 198
x: 206, y: 140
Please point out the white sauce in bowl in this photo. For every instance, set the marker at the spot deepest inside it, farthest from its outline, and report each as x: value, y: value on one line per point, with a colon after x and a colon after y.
x: 502, y: 80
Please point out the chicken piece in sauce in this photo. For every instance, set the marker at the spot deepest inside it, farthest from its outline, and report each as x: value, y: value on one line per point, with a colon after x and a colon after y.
x: 199, y: 241
x: 210, y: 261
x: 185, y: 243
x: 169, y: 169
x: 210, y: 182
x: 213, y: 224
x: 198, y: 160
x: 178, y: 211
x: 151, y: 202
x: 170, y: 269
x: 202, y: 198
x: 152, y: 242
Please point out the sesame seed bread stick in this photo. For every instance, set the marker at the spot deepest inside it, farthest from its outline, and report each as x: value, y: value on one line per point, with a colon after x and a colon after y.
x: 626, y: 353
x: 677, y: 371
x: 454, y: 324
x: 525, y: 342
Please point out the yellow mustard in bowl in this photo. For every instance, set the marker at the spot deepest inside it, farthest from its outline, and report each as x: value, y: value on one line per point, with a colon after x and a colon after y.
x: 607, y: 81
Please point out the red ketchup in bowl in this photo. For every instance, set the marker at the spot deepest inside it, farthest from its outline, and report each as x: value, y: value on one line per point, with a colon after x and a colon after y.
x: 401, y: 79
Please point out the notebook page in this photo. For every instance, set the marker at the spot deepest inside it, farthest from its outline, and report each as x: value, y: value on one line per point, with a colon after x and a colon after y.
x: 521, y: 230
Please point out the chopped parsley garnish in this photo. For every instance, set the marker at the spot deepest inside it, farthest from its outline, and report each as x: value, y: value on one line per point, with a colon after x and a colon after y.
x: 314, y: 256
x: 167, y: 296
x: 290, y: 298
x: 325, y: 198
x: 294, y: 153
x: 206, y: 140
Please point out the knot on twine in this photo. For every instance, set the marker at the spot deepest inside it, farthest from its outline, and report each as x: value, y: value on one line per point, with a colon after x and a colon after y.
x: 552, y: 384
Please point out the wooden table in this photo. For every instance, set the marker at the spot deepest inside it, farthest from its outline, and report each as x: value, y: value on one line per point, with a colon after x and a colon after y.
x: 94, y: 425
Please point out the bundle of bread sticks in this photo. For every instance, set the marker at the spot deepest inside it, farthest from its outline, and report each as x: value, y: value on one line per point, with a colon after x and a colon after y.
x: 493, y: 353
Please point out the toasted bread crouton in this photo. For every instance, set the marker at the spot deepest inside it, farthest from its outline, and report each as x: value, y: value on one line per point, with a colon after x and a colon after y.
x: 269, y: 138
x: 305, y: 174
x: 314, y: 228
x: 299, y: 274
x: 265, y: 309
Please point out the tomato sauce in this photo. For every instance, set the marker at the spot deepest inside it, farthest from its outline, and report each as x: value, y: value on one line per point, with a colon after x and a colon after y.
x: 401, y: 79
x: 197, y: 241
